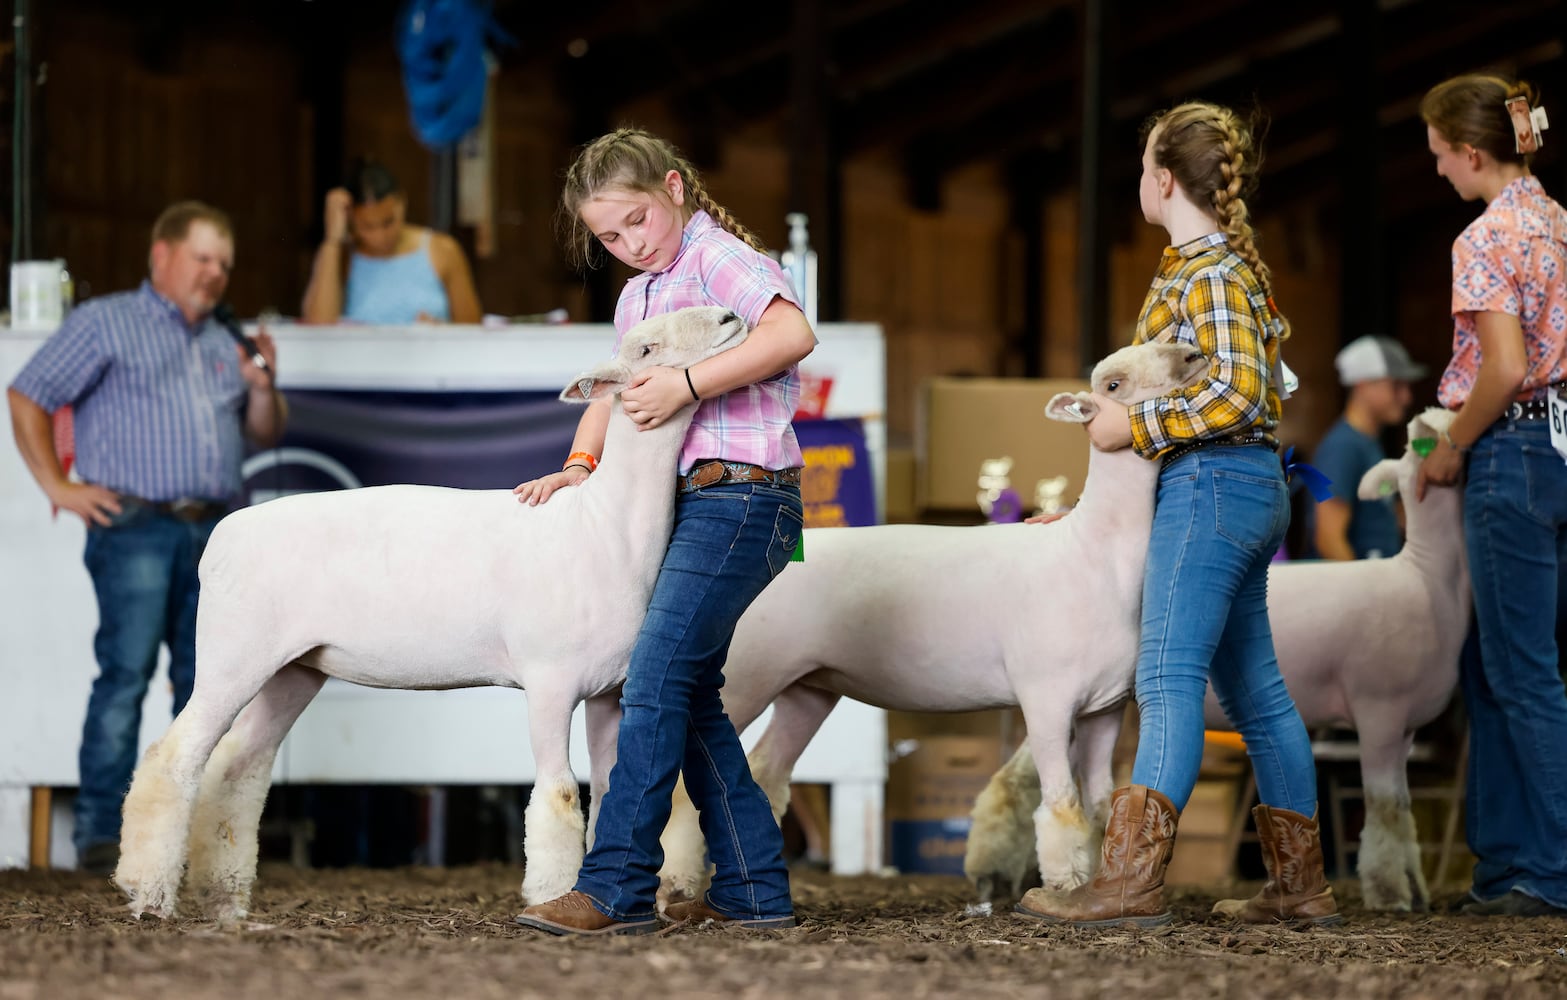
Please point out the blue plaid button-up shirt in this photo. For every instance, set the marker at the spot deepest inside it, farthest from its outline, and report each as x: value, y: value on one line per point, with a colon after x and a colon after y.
x: 159, y: 405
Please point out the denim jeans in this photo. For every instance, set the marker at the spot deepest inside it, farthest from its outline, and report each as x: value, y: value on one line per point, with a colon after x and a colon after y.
x: 1515, y: 525
x: 1220, y: 517
x: 729, y: 542
x: 143, y: 568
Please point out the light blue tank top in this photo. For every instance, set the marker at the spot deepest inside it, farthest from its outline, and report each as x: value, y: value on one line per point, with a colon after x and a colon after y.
x: 391, y: 291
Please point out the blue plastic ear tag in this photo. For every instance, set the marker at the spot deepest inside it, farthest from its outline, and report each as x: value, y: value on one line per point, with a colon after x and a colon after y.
x: 1422, y: 446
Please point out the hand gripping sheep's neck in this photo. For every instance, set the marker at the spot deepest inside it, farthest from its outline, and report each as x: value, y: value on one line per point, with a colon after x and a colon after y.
x: 1371, y: 644
x: 416, y: 587
x: 948, y: 619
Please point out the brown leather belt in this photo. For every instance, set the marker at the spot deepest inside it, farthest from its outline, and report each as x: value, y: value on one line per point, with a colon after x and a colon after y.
x: 715, y: 472
x: 188, y: 509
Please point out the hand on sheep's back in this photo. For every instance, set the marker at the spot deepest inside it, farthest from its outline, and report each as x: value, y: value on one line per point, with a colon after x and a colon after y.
x: 537, y: 491
x: 1046, y: 518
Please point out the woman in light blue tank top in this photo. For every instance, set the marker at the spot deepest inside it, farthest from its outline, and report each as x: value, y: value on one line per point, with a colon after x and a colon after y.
x: 372, y: 267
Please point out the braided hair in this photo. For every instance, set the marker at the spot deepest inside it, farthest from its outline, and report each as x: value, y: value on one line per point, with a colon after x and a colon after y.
x: 1213, y: 154
x: 629, y: 159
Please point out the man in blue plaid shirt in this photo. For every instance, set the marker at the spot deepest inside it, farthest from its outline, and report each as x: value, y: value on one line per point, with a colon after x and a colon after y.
x: 163, y: 401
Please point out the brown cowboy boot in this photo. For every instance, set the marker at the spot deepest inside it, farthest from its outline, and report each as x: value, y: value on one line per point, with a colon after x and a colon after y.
x: 1129, y: 886
x: 1297, y: 888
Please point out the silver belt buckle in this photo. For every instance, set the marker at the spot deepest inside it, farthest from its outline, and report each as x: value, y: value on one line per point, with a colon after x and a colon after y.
x: 1515, y: 410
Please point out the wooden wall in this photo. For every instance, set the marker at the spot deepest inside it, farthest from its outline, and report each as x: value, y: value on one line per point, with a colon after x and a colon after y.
x: 229, y: 120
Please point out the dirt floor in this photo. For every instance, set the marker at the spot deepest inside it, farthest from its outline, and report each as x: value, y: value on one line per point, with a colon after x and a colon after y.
x: 448, y: 933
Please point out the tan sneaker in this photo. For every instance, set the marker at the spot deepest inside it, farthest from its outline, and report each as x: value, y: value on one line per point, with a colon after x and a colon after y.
x: 696, y: 911
x: 574, y: 913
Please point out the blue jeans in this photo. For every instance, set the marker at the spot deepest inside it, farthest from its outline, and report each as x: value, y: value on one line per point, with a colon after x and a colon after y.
x: 728, y: 543
x: 1515, y: 525
x: 1220, y: 516
x: 143, y: 569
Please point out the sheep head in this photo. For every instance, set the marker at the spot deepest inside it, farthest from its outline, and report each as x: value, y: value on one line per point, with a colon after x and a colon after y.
x: 1397, y: 475
x: 1131, y: 375
x: 676, y: 339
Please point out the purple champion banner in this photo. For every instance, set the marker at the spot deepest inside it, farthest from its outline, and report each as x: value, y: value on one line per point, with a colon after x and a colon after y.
x: 495, y: 440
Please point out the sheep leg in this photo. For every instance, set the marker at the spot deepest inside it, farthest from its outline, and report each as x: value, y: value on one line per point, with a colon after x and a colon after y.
x: 685, y: 873
x: 223, y: 838
x: 157, y: 808
x: 1391, y: 874
x: 603, y: 718
x: 1093, y: 753
x: 798, y: 713
x: 1000, y: 855
x: 553, y: 827
x: 1062, y: 831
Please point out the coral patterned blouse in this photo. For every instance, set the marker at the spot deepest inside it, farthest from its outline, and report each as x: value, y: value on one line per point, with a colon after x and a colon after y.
x: 1512, y: 259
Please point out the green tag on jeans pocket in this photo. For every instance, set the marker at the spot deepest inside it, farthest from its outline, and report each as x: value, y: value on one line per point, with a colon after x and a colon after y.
x: 799, y: 550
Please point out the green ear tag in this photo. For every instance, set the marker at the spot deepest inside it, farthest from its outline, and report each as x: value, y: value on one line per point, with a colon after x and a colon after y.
x: 1423, y: 446
x: 799, y: 550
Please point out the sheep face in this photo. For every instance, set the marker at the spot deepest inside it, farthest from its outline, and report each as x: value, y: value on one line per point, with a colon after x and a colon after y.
x: 677, y: 339
x: 1397, y: 475
x: 1143, y: 371
x: 1131, y: 375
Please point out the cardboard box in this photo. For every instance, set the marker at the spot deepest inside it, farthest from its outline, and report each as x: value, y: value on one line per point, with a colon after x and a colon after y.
x: 899, y: 506
x: 930, y: 796
x: 961, y: 422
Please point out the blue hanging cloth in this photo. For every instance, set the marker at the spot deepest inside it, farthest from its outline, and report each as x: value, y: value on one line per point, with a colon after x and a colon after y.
x: 441, y: 44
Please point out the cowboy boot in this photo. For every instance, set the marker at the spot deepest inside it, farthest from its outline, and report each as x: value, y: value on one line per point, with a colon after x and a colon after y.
x: 1129, y: 886
x: 1297, y: 888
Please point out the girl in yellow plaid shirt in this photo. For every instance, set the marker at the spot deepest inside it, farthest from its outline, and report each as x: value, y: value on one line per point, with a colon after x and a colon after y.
x: 1220, y: 516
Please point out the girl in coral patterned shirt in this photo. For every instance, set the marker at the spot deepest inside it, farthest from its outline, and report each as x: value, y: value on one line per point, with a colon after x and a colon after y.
x: 1509, y: 358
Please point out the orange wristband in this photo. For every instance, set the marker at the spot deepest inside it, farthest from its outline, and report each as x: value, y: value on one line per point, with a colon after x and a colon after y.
x: 585, y: 459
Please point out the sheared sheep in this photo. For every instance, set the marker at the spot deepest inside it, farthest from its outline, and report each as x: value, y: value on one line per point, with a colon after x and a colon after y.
x: 1372, y: 644
x: 948, y: 619
x: 417, y: 587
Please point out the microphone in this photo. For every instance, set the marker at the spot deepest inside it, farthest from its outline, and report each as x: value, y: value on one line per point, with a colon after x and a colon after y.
x: 224, y: 315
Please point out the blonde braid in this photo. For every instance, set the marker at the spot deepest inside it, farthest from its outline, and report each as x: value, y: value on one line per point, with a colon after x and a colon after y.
x: 699, y: 197
x: 633, y: 160
x: 1233, y: 214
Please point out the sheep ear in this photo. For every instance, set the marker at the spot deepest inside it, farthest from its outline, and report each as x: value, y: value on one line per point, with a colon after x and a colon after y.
x: 596, y: 384
x: 1072, y: 407
x: 1381, y: 480
x: 1430, y: 422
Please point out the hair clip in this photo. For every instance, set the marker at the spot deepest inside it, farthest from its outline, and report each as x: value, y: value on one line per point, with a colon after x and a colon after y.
x: 1528, y: 123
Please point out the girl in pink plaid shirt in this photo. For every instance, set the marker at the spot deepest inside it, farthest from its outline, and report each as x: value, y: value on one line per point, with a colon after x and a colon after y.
x: 634, y: 195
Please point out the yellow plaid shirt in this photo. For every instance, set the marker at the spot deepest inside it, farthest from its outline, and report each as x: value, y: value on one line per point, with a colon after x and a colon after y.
x: 1206, y: 295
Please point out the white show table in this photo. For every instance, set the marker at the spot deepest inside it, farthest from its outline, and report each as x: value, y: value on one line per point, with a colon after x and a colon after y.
x: 352, y: 734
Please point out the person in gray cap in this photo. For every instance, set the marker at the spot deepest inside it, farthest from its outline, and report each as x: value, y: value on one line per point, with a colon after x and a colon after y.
x: 1377, y: 372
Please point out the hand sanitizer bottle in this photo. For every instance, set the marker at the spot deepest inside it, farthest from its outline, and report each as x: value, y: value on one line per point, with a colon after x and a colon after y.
x: 799, y: 262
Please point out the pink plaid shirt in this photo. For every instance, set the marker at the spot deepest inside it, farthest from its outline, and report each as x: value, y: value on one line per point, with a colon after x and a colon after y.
x: 1512, y: 259
x: 715, y: 268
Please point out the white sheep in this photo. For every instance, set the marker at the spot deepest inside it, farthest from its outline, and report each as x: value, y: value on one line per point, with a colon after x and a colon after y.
x: 1371, y: 644
x: 947, y: 619
x: 417, y: 587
